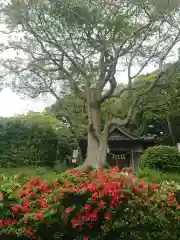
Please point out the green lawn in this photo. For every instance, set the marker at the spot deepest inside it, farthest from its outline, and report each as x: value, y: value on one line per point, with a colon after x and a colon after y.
x: 23, y: 174
x: 158, y: 177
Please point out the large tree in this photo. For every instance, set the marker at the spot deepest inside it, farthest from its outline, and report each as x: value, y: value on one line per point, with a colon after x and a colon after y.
x: 82, y: 44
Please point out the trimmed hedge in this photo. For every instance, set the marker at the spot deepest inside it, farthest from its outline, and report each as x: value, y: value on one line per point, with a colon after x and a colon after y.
x: 27, y: 143
x: 161, y: 158
x: 32, y: 140
x: 98, y: 204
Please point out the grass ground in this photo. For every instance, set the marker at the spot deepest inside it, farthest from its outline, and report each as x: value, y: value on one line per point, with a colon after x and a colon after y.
x: 158, y: 177
x: 23, y: 174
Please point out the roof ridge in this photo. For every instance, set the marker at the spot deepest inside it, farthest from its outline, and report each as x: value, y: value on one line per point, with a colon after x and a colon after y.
x: 125, y: 132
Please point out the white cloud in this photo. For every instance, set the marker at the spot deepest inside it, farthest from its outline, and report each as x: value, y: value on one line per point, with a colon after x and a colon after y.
x: 11, y: 104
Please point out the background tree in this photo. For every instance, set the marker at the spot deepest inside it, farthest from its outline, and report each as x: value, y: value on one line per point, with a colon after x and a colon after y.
x: 157, y: 113
x: 81, y: 44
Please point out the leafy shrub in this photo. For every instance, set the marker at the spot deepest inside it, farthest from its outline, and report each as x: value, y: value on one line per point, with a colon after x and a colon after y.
x: 163, y: 158
x: 32, y: 140
x: 27, y: 143
x: 98, y: 204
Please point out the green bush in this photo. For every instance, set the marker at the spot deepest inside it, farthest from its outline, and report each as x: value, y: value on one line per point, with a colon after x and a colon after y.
x: 161, y: 158
x: 32, y: 140
x: 98, y: 204
x: 27, y: 143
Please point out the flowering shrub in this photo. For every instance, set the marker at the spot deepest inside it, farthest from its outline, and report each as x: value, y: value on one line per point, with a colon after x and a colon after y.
x: 98, y: 204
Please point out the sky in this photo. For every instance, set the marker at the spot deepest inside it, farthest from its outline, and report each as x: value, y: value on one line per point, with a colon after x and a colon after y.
x: 11, y: 104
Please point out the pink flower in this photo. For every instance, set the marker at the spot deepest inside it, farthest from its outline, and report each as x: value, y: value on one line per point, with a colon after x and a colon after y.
x: 68, y: 210
x: 87, y: 207
x: 75, y: 223
x: 107, y: 217
x: 106, y: 228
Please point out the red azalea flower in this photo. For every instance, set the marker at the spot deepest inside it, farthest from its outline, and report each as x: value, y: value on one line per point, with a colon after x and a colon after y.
x: 142, y: 184
x: 107, y: 217
x: 85, y: 238
x: 93, y: 216
x: 94, y: 196
x: 89, y: 225
x: 91, y: 187
x: 101, y: 204
x: 14, y: 221
x: 87, y: 207
x: 68, y: 210
x: 38, y: 216
x: 106, y: 228
x: 1, y: 223
x: 7, y: 222
x: 177, y: 206
x: 15, y: 209
x: 25, y: 209
x: 43, y: 203
x: 75, y: 223
x: 114, y: 170
x: 154, y: 186
x: 56, y: 198
x: 31, y: 194
x: 77, y: 190
x: 171, y: 198
x: 66, y: 185
x: 25, y: 218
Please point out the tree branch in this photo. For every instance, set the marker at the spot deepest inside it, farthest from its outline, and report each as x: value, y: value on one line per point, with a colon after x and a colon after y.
x: 72, y: 83
x: 59, y: 47
x: 108, y: 93
x: 119, y: 52
x: 130, y: 113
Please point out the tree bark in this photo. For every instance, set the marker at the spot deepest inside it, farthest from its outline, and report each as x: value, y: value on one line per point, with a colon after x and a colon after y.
x: 97, y: 141
x: 102, y: 151
x: 94, y: 128
x: 92, y: 150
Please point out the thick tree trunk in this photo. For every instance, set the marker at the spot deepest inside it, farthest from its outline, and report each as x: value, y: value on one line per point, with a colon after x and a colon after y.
x: 94, y: 129
x: 92, y: 150
x: 97, y: 141
x: 102, y: 151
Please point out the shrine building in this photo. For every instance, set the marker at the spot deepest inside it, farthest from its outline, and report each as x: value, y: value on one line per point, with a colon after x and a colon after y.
x: 124, y: 147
